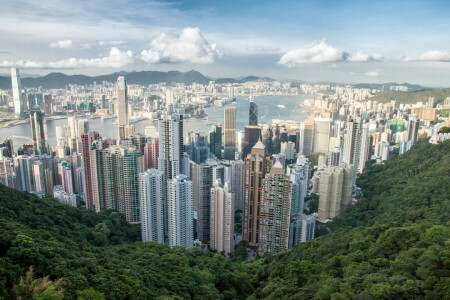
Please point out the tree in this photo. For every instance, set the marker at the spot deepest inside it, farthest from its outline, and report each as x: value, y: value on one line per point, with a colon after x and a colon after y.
x: 39, y: 288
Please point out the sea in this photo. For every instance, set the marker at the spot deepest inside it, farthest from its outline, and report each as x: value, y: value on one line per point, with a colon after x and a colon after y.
x: 269, y: 108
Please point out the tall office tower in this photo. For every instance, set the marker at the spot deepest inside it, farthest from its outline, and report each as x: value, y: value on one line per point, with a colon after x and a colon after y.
x: 151, y: 199
x: 413, y: 130
x: 365, y: 147
x: 275, y: 142
x: 257, y: 164
x: 122, y: 106
x: 86, y: 142
x: 230, y: 133
x: 302, y: 228
x: 222, y: 219
x: 330, y: 188
x: 306, y: 138
x: 17, y: 92
x: 7, y: 172
x: 352, y: 142
x: 347, y: 185
x: 180, y: 212
x: 199, y: 148
x: 72, y: 123
x: 253, y: 114
x: 322, y: 131
x: 215, y: 140
x: 298, y: 175
x: 151, y: 154
x: 127, y: 164
x: 279, y: 157
x: 83, y: 126
x: 275, y: 211
x: 103, y: 102
x: 171, y: 145
x: 38, y: 131
x: 31, y: 101
x: 237, y: 183
x: 202, y: 182
x: 251, y: 136
x: 335, y: 156
x: 102, y: 176
x: 288, y: 149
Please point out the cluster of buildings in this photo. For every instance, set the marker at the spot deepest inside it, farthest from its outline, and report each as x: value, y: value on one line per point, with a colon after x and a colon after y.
x: 187, y: 188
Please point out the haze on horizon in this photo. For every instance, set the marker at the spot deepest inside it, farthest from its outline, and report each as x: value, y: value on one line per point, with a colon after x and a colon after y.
x: 342, y: 41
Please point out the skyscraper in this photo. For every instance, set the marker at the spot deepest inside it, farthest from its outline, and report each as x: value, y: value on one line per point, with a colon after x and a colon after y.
x: 38, y: 131
x: 230, y: 133
x: 237, y: 183
x: 330, y: 188
x: 413, y: 129
x: 251, y: 137
x: 122, y: 106
x: 302, y: 228
x: 48, y: 105
x: 86, y: 142
x: 83, y: 126
x: 222, y: 219
x: 257, y: 164
x: 151, y: 154
x: 17, y: 92
x: 180, y: 212
x: 199, y: 148
x: 322, y: 130
x: 171, y: 145
x: 275, y: 211
x: 306, y: 138
x: 202, y: 182
x: 151, y: 200
x: 215, y: 140
x: 253, y: 114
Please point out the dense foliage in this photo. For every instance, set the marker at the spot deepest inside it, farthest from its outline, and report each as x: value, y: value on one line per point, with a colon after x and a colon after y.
x: 394, y: 244
x: 412, y: 97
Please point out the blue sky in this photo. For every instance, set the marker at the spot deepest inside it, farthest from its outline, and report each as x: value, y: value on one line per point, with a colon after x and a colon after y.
x: 345, y: 41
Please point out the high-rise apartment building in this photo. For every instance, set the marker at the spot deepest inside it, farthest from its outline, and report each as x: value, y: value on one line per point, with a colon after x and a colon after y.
x: 151, y: 154
x: 199, y: 148
x: 17, y: 92
x: 413, y: 129
x: 180, y: 212
x: 253, y: 114
x: 38, y: 131
x: 83, y: 126
x: 171, y: 145
x: 237, y: 183
x: 151, y: 199
x: 230, y: 133
x: 274, y: 211
x: 86, y: 142
x: 322, y: 131
x: 302, y: 228
x: 257, y: 164
x: 202, y: 182
x: 122, y: 106
x: 222, y: 219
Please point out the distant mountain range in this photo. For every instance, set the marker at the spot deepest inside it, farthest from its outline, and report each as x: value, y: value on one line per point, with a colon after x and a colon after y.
x: 60, y: 80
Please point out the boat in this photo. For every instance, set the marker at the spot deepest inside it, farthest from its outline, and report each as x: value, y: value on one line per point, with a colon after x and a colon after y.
x: 107, y: 117
x: 281, y: 106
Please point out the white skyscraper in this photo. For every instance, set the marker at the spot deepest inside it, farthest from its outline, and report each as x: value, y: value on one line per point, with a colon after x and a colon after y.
x: 222, y: 219
x: 151, y: 199
x: 17, y: 92
x: 171, y: 146
x: 180, y: 212
x: 122, y: 106
x: 322, y: 131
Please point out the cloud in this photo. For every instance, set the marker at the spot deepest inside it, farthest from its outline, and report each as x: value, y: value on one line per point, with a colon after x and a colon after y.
x: 190, y: 46
x: 436, y: 55
x: 321, y: 52
x: 372, y: 73
x: 314, y: 53
x: 64, y: 44
x: 115, y: 59
x: 364, y: 57
x: 112, y: 43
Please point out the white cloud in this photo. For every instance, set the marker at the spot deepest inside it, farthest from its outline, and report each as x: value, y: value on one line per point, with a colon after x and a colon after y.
x: 364, y: 57
x: 64, y: 44
x: 436, y: 55
x: 115, y: 59
x: 372, y: 73
x: 112, y: 43
x: 314, y: 53
x: 190, y: 46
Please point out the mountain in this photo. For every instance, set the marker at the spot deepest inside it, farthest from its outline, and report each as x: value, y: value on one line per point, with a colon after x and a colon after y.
x: 60, y: 80
x: 412, y: 97
x: 387, y: 86
x: 393, y: 244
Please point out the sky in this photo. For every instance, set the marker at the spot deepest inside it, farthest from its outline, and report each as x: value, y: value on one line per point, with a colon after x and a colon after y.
x: 339, y: 41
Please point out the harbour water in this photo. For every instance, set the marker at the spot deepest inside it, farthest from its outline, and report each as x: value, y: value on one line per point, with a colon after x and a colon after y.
x: 269, y: 108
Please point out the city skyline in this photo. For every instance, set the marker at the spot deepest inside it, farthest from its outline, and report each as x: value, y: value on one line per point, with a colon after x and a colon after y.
x: 313, y: 41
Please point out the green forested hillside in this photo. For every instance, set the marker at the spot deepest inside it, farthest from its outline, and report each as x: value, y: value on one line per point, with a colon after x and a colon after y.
x: 412, y: 97
x: 394, y: 244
